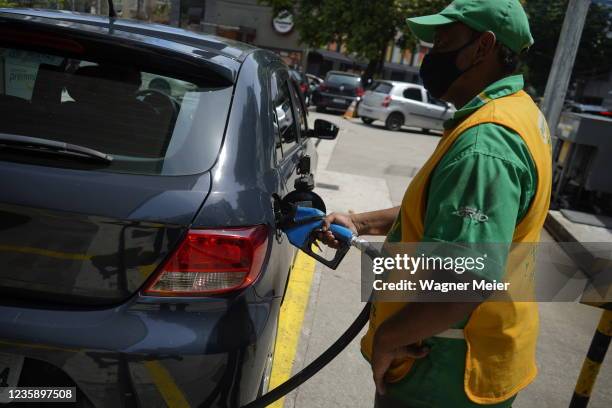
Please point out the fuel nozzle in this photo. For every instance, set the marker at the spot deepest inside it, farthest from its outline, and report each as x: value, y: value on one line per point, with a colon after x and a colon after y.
x: 304, y: 227
x: 300, y: 215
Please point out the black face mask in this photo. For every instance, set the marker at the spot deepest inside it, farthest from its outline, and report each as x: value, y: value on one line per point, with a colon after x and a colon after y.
x: 439, y: 70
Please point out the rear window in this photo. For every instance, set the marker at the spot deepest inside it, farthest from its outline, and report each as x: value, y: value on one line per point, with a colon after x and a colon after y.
x: 346, y: 80
x: 383, y: 88
x: 149, y: 123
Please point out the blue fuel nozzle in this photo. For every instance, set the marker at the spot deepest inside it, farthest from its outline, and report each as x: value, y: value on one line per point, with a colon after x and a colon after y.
x: 302, y: 228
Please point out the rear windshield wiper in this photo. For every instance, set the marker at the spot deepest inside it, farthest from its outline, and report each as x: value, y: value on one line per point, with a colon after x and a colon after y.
x: 53, y: 146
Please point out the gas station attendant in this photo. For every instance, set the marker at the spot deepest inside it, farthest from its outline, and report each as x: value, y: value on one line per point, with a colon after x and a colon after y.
x: 488, y: 181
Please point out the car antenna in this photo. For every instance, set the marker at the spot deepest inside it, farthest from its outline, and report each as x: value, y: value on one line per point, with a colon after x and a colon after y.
x: 111, y: 9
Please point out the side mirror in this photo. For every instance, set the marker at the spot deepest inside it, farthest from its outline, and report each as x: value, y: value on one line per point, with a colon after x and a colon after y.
x: 324, y: 129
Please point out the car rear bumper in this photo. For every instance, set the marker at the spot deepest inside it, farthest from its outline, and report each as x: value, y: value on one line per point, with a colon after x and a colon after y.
x: 332, y: 101
x: 372, y: 112
x: 149, y: 351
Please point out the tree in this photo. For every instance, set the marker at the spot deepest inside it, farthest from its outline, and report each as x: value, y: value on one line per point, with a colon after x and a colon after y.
x: 594, y: 56
x: 366, y: 28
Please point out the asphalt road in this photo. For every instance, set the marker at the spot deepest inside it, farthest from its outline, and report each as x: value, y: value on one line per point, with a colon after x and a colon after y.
x: 368, y: 168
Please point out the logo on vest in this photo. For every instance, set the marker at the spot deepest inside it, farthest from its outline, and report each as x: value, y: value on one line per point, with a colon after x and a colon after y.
x: 471, y: 213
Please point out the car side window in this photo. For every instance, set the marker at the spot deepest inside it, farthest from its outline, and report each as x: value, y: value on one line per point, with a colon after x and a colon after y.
x: 300, y: 109
x: 277, y: 138
x: 283, y: 112
x: 413, y: 93
x: 435, y: 101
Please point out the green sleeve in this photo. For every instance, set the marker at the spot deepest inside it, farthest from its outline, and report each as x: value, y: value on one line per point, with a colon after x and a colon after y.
x: 480, y: 190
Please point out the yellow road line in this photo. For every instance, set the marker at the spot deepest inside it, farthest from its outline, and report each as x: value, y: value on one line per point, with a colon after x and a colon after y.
x: 165, y: 384
x: 291, y: 320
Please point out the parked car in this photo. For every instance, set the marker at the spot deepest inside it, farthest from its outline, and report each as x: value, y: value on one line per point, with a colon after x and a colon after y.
x: 139, y: 251
x: 302, y: 83
x: 402, y: 103
x: 337, y: 91
x: 313, y: 83
x: 598, y: 110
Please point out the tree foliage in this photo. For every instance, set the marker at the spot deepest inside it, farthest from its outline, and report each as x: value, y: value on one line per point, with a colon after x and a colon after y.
x: 594, y: 55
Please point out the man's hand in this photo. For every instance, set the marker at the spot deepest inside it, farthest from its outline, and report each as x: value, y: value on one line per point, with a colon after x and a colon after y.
x: 410, y: 325
x: 382, y: 359
x: 326, y: 235
x: 368, y: 223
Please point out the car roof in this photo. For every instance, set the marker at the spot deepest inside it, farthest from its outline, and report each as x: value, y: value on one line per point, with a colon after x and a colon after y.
x: 223, y: 51
x: 589, y: 106
x: 401, y: 83
x: 343, y: 73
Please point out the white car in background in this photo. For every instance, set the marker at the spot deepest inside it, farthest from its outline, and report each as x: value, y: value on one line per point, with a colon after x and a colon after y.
x: 400, y: 104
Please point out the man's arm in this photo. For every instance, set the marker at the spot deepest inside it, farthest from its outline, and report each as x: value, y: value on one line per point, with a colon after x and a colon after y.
x: 424, y: 320
x: 368, y: 223
x: 375, y: 222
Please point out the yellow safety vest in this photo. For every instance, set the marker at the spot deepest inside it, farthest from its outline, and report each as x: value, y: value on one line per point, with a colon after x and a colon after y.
x: 501, y: 336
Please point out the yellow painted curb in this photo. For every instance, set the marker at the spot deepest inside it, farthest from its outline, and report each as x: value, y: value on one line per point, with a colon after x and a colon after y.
x: 291, y: 320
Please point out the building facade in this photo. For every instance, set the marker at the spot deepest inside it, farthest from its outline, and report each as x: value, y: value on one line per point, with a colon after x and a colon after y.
x: 250, y: 22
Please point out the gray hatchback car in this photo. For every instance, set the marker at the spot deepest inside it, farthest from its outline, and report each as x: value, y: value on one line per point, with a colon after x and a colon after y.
x: 141, y: 165
x: 400, y: 104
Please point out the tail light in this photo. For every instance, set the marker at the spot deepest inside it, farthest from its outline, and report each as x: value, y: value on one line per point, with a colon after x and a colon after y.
x: 303, y: 88
x: 386, y: 101
x: 322, y: 87
x: 211, y: 262
x: 360, y: 91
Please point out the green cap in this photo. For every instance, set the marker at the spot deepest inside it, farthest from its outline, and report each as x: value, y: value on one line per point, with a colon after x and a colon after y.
x: 505, y: 18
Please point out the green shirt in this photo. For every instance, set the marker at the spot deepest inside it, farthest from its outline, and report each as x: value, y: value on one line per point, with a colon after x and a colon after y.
x: 484, y: 184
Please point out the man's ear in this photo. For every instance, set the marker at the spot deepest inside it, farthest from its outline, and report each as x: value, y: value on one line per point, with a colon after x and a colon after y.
x: 486, y: 45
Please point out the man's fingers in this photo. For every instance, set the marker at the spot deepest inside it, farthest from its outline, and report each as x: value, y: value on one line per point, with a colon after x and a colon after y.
x: 328, y: 239
x: 413, y: 351
x: 327, y: 221
x: 379, y: 381
x: 382, y: 361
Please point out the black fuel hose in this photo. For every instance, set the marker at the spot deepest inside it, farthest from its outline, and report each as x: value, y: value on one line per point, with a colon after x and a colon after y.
x: 317, y: 364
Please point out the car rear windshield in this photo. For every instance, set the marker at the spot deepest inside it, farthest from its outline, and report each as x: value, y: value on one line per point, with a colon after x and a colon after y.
x: 149, y: 123
x: 383, y: 88
x: 346, y: 80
